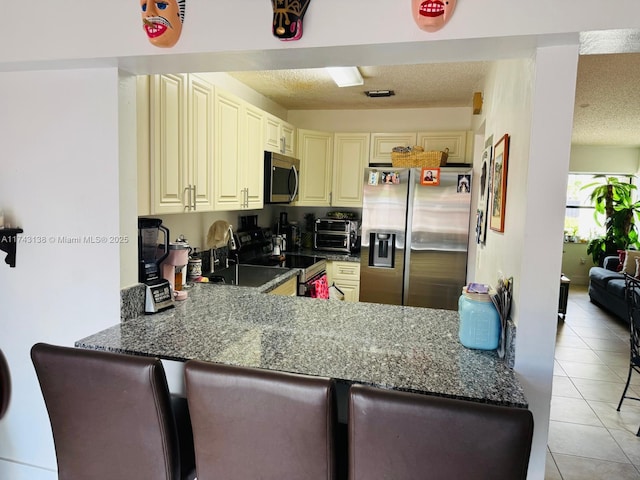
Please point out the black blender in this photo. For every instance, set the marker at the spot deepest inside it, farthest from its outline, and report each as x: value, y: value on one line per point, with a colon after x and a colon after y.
x: 150, y: 255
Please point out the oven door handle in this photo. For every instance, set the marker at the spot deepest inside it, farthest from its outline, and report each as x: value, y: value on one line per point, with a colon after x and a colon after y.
x: 304, y: 288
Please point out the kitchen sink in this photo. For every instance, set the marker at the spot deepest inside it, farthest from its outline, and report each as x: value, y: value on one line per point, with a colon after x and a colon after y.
x: 246, y: 275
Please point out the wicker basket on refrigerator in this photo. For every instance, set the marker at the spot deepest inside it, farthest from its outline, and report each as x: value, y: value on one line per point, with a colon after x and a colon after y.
x: 417, y: 157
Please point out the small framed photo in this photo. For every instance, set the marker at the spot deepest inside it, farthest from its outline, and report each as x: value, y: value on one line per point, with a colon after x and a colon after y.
x: 430, y: 176
x: 391, y: 178
x: 499, y: 184
x: 464, y: 183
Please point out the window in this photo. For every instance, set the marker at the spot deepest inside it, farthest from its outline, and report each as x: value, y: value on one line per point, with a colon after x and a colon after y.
x: 579, y: 222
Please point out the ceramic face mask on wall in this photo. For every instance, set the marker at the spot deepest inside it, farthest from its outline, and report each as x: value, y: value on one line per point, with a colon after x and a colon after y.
x: 432, y: 15
x: 287, y: 18
x: 162, y: 21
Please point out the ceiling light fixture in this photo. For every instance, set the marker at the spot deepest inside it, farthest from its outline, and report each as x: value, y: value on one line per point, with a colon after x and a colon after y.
x: 379, y: 93
x: 346, y: 76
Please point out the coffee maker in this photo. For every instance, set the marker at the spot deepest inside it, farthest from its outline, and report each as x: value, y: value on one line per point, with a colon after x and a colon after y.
x: 151, y: 254
x: 288, y: 232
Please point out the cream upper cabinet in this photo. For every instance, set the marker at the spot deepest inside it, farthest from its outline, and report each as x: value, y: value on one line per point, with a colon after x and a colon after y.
x: 315, y: 150
x: 200, y: 105
x: 279, y: 136
x: 350, y: 157
x: 456, y: 142
x: 382, y: 144
x: 253, y: 119
x: 239, y: 150
x: 180, y: 113
x: 143, y: 145
x: 345, y: 276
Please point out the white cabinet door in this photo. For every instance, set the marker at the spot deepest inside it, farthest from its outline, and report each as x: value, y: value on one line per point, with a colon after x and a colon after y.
x: 280, y: 136
x: 288, y: 133
x: 382, y: 144
x: 272, y: 138
x: 180, y: 119
x: 239, y: 160
x: 143, y: 126
x: 456, y: 142
x: 315, y: 150
x: 351, y: 152
x: 228, y: 168
x: 254, y: 157
x: 169, y: 170
x: 346, y: 276
x: 200, y: 109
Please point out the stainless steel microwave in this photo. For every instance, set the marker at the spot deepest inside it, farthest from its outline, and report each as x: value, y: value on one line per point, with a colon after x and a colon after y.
x: 281, y: 178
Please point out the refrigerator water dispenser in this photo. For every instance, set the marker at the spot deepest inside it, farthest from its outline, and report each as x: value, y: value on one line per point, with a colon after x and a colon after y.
x: 382, y: 249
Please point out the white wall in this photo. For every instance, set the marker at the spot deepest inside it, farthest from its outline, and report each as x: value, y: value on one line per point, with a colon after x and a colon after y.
x: 599, y: 159
x: 384, y: 120
x: 59, y: 138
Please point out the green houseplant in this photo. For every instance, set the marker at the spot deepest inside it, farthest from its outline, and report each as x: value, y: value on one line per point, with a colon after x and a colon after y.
x: 613, y: 198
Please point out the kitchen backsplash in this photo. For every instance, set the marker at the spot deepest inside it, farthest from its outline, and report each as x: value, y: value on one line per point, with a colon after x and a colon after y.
x: 194, y: 226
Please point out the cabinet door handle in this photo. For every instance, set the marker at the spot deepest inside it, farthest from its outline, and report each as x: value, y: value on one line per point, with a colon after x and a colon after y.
x: 187, y: 205
x: 195, y: 196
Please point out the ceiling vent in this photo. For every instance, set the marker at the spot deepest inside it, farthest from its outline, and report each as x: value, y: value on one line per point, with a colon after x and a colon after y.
x: 379, y: 93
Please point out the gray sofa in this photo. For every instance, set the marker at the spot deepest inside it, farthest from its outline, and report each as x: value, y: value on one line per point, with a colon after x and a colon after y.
x: 606, y: 287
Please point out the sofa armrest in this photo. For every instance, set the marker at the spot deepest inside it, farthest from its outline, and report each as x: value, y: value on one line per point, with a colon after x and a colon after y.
x: 611, y: 263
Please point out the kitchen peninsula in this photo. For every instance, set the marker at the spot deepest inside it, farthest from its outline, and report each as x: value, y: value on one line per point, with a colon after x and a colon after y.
x: 404, y: 348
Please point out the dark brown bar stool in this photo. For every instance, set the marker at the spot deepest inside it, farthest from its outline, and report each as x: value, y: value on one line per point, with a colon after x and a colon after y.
x: 407, y: 436
x: 5, y: 385
x: 250, y: 423
x: 111, y: 415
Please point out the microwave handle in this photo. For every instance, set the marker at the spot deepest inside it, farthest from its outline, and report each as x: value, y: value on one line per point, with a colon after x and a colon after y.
x: 295, y: 190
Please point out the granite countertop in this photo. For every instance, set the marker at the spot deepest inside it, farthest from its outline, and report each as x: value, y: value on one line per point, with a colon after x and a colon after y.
x: 403, y: 348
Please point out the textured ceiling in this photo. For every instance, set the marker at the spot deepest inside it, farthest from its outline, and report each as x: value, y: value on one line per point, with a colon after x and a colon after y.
x: 607, y: 108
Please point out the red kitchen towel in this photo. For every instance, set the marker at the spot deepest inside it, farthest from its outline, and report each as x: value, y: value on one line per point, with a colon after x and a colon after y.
x: 320, y: 287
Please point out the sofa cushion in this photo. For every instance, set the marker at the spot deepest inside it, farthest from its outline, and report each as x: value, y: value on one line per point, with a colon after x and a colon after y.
x: 616, y: 287
x: 629, y: 265
x: 601, y: 276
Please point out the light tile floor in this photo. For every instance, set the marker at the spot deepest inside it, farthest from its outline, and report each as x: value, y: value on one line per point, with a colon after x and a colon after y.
x: 588, y: 438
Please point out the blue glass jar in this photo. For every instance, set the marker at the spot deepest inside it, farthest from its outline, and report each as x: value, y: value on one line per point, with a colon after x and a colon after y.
x: 479, y: 321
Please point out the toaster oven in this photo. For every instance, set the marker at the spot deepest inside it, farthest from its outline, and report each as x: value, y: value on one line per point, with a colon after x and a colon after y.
x: 335, y: 235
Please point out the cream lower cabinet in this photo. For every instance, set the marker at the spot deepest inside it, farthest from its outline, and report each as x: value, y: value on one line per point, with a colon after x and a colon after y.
x: 288, y: 288
x: 346, y: 276
x: 238, y: 170
x: 181, y: 143
x: 315, y: 151
x: 350, y: 157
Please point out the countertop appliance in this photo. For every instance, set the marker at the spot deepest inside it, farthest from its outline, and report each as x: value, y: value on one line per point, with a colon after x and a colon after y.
x: 151, y: 254
x: 415, y: 237
x: 335, y: 235
x: 281, y: 178
x: 255, y: 247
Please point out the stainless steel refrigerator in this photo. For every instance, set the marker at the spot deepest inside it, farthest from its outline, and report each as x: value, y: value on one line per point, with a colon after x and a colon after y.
x: 415, y: 236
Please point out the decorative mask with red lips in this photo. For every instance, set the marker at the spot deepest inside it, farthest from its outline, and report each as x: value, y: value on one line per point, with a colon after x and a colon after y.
x: 287, y: 18
x: 162, y: 21
x: 432, y: 15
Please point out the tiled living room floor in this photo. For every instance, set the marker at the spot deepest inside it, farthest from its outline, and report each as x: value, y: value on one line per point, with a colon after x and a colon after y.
x: 588, y: 438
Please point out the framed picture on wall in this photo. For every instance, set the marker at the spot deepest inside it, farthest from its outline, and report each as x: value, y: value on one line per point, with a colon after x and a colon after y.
x: 483, y: 201
x: 498, y: 198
